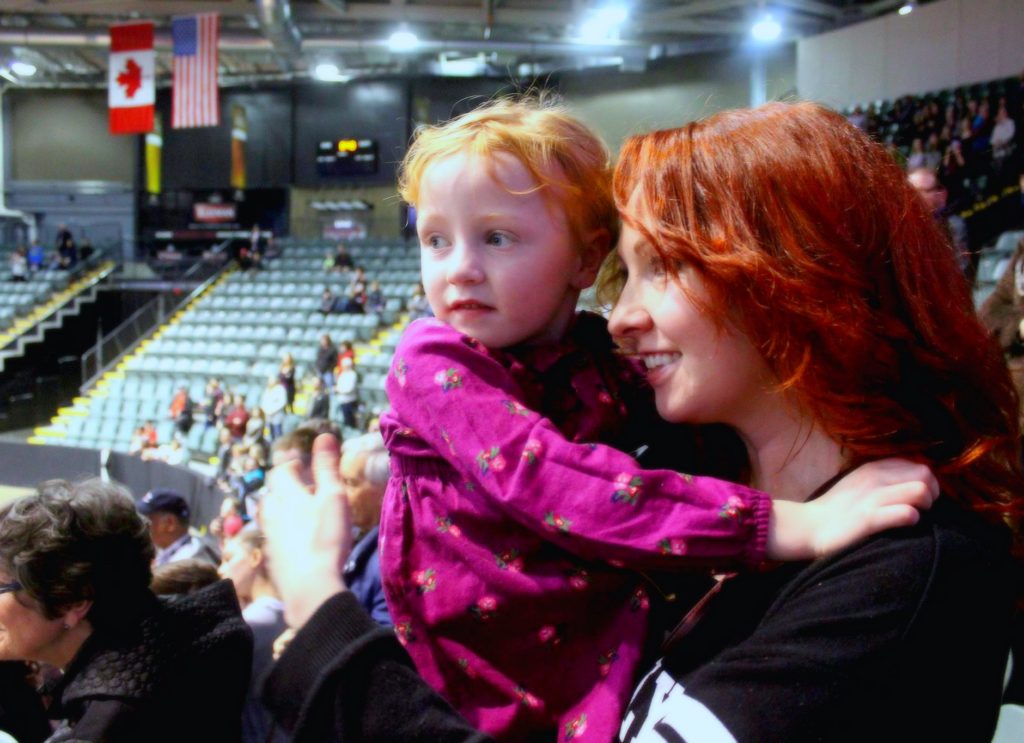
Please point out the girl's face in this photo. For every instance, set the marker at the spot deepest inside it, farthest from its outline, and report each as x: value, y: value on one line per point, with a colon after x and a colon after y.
x: 701, y: 371
x: 498, y: 259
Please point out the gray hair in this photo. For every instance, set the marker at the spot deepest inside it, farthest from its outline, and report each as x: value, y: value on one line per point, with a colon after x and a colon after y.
x: 377, y: 468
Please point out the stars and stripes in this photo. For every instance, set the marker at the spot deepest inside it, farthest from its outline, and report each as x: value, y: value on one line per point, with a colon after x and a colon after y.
x: 194, y: 93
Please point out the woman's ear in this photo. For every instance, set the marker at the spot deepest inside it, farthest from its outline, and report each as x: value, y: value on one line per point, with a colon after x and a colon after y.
x: 75, y: 613
x: 594, y: 248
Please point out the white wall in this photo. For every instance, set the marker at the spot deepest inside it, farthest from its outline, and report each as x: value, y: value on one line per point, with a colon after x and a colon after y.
x: 939, y: 45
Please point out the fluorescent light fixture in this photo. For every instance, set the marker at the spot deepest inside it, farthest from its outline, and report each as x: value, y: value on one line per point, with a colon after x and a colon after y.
x: 403, y: 41
x: 24, y: 69
x: 326, y: 71
x: 603, y: 24
x: 906, y: 9
x: 766, y: 28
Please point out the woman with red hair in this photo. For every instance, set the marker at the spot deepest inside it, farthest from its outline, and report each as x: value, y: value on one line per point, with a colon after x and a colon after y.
x: 780, y: 276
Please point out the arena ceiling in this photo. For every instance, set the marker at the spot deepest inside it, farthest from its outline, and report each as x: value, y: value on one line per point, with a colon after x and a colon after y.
x: 66, y: 41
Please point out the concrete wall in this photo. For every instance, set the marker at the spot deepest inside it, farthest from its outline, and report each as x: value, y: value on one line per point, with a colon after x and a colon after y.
x: 940, y: 45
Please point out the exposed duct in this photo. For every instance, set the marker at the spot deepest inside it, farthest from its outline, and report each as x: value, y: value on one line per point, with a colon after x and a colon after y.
x: 275, y: 17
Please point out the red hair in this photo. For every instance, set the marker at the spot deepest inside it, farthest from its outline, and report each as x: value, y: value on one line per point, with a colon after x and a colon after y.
x: 810, y: 240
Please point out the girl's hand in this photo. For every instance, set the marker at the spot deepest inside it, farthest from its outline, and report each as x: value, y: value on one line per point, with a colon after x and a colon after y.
x: 880, y: 495
x: 308, y: 531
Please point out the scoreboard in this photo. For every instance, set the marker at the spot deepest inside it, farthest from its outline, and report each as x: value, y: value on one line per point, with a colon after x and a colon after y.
x: 344, y: 157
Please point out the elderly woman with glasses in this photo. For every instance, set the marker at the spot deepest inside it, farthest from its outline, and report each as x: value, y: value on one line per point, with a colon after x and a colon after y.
x: 74, y: 593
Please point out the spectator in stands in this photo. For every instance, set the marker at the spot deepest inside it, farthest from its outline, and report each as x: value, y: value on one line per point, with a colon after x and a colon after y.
x: 354, y: 303
x: 342, y: 261
x: 858, y: 118
x: 346, y: 392
x: 36, y: 256
x: 67, y: 254
x: 75, y: 566
x: 18, y: 262
x: 245, y: 565
x: 138, y: 441
x: 375, y: 301
x: 181, y: 411
x: 286, y: 375
x: 932, y: 153
x: 213, y: 402
x: 168, y: 514
x: 326, y: 360
x: 928, y: 185
x: 1003, y: 314
x: 86, y: 250
x: 236, y: 419
x: 345, y: 351
x: 224, y: 443
x: 917, y: 158
x: 328, y: 302
x: 357, y: 284
x: 417, y: 305
x: 174, y: 452
x: 183, y: 577
x: 1004, y: 135
x: 319, y: 401
x: 364, y: 473
x: 273, y: 402
x: 255, y: 429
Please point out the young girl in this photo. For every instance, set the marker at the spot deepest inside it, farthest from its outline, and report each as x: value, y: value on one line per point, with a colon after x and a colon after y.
x: 508, y: 534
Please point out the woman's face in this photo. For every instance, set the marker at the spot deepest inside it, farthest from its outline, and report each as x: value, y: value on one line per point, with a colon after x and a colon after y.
x: 25, y: 634
x: 701, y: 372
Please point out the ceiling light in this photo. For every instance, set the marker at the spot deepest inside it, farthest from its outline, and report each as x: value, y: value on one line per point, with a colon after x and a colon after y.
x: 906, y: 8
x: 766, y: 28
x: 603, y: 24
x: 23, y: 68
x: 326, y: 71
x: 403, y: 41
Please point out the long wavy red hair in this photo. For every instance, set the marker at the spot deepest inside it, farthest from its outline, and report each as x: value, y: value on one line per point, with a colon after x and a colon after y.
x: 811, y: 241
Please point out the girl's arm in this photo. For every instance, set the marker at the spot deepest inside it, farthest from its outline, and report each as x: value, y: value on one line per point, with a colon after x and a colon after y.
x: 590, y: 499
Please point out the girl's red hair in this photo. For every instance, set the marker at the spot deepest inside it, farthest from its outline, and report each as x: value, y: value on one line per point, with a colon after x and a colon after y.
x: 811, y: 241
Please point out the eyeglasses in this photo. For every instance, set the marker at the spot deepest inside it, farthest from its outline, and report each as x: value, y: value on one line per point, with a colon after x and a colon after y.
x: 10, y: 587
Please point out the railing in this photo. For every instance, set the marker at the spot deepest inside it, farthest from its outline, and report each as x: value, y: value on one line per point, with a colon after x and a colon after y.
x: 123, y: 339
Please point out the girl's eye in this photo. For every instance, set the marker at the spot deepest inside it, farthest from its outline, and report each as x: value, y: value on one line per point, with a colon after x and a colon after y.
x: 433, y: 241
x: 656, y: 265
x: 499, y: 240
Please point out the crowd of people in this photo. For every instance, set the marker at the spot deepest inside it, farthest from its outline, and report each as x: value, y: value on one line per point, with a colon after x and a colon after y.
x: 774, y: 496
x: 26, y: 260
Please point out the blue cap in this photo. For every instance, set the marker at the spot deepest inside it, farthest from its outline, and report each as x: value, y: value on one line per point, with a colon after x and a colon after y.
x: 164, y: 500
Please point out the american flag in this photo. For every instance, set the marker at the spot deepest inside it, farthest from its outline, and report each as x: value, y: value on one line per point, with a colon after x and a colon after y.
x: 194, y: 101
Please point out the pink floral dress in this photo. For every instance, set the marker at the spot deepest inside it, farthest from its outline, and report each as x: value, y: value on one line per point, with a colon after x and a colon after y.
x: 508, y: 533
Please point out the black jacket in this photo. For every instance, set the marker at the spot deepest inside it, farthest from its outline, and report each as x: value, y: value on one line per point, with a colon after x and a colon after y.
x: 180, y: 674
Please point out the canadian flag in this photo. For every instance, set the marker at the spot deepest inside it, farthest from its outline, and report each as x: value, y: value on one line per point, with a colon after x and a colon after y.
x: 132, y: 91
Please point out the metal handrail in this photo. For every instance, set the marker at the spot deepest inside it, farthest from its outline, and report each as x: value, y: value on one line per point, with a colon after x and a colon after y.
x: 126, y: 337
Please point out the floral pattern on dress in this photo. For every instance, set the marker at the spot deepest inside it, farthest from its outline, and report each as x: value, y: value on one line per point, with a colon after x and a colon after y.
x: 404, y: 632
x: 401, y: 371
x: 673, y: 546
x: 526, y: 698
x: 490, y: 460
x: 627, y: 488
x: 449, y: 379
x: 579, y: 579
x: 550, y: 634
x: 733, y: 508
x: 532, y: 451
x: 485, y: 608
x: 445, y: 526
x: 448, y: 440
x: 467, y: 668
x: 425, y: 580
x: 509, y: 560
x: 575, y: 728
x: 604, y: 662
x: 515, y: 408
x: 639, y: 600
x: 555, y: 522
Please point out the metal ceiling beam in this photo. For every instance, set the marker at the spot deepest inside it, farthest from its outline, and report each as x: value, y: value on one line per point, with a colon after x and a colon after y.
x: 813, y: 7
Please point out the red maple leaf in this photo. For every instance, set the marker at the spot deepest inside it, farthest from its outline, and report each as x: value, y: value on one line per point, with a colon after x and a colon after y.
x: 130, y: 78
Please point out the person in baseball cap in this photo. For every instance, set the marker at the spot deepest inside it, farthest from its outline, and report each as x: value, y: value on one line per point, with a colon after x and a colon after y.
x: 168, y: 514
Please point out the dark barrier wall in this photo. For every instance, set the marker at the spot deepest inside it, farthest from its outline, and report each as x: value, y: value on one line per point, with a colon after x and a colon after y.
x: 26, y: 465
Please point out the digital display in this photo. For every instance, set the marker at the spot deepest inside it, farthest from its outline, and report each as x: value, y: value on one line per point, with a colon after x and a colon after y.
x: 344, y: 157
